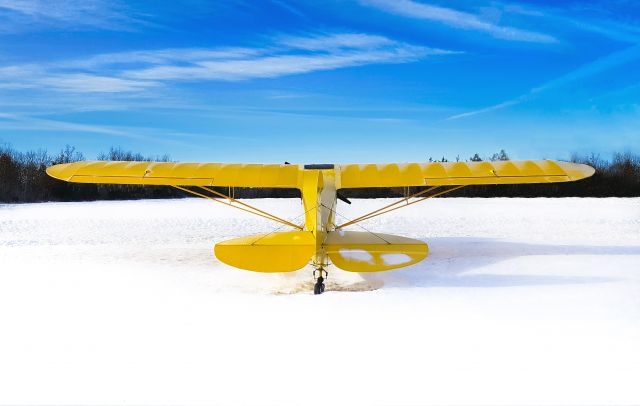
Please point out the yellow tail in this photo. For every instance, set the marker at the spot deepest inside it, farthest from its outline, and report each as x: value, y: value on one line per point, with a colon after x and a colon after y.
x: 275, y: 252
x: 357, y: 251
x: 348, y: 250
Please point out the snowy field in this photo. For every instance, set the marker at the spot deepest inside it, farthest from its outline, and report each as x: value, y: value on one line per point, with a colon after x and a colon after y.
x: 521, y: 301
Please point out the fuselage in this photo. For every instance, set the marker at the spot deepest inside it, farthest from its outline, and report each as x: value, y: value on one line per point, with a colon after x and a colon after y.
x: 319, y: 201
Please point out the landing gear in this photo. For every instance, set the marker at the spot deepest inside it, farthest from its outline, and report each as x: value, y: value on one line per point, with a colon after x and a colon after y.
x: 318, y: 288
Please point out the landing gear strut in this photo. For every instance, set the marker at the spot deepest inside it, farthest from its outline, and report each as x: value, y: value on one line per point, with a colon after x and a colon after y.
x: 318, y: 288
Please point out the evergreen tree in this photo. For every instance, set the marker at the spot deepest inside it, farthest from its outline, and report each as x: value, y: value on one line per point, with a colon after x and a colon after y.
x: 500, y: 156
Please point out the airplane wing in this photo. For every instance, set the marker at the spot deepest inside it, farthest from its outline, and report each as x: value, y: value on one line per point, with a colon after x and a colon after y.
x: 459, y: 173
x: 347, y: 176
x: 178, y: 174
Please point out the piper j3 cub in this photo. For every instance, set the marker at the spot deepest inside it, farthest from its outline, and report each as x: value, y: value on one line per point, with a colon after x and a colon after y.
x: 322, y: 239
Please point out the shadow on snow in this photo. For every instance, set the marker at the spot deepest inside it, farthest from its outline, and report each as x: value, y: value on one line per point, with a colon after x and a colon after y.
x: 459, y: 262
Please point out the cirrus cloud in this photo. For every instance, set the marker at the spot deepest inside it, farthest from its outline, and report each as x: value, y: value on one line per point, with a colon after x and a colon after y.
x: 135, y: 71
x: 457, y: 19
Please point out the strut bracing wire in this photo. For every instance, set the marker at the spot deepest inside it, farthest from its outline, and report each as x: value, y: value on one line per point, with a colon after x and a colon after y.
x: 257, y: 211
x: 359, y: 225
x: 234, y: 200
x: 390, y: 207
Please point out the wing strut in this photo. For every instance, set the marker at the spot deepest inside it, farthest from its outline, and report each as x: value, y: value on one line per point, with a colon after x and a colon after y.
x: 248, y: 209
x: 389, y: 208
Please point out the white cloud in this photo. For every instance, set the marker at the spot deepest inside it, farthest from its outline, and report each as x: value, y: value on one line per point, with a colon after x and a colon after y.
x: 457, y: 19
x: 24, y: 15
x: 282, y: 64
x: 160, y: 56
x: 585, y: 71
x: 288, y: 7
x: 26, y: 122
x: 85, y: 83
x: 336, y: 41
x: 136, y: 71
x: 43, y: 78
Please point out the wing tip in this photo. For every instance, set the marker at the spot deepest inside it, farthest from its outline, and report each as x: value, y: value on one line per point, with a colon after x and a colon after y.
x: 577, y: 171
x: 60, y: 171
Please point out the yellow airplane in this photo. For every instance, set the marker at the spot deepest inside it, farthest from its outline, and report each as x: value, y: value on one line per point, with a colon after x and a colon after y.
x: 320, y: 240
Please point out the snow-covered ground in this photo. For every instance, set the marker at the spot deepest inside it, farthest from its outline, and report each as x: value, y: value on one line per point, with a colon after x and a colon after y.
x: 521, y: 301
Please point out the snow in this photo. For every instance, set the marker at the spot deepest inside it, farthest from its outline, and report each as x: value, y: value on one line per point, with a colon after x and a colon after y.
x: 395, y: 259
x: 532, y: 301
x: 355, y: 254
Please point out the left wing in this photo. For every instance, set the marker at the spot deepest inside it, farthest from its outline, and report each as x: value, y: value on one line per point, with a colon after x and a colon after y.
x: 179, y: 174
x: 459, y: 173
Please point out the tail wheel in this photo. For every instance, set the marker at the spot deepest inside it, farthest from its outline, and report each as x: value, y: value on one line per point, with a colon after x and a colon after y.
x: 318, y: 288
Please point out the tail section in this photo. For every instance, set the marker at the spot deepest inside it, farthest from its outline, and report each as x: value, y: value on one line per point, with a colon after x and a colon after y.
x: 351, y: 251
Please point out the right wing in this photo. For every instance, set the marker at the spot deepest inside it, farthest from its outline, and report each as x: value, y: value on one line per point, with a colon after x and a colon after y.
x: 459, y: 173
x: 179, y: 174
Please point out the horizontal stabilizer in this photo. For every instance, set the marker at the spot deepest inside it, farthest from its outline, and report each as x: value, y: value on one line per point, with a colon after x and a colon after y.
x: 357, y: 251
x: 275, y: 252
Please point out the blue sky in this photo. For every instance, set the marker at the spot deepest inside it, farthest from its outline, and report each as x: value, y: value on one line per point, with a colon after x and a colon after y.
x: 321, y: 81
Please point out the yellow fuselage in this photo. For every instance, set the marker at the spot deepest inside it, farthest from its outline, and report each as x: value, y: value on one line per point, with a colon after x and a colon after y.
x: 319, y: 200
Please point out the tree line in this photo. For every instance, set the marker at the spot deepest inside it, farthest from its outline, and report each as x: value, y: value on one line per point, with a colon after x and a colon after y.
x: 617, y: 177
x: 23, y: 179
